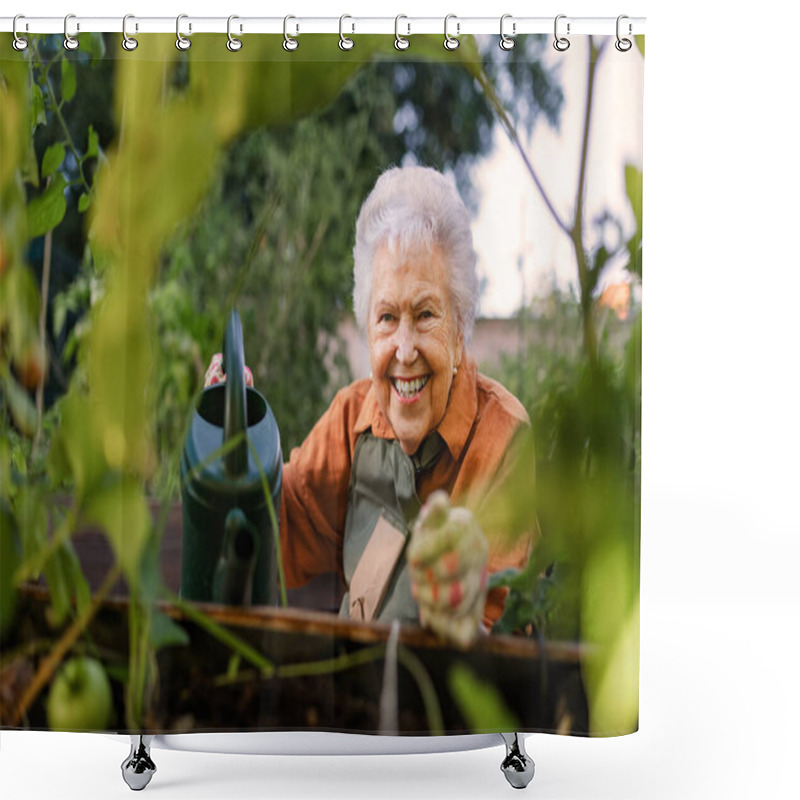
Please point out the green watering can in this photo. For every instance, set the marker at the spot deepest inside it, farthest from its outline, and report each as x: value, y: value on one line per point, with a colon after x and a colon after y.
x: 228, y: 542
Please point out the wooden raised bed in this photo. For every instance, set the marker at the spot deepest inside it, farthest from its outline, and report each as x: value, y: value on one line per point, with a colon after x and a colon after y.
x: 328, y: 672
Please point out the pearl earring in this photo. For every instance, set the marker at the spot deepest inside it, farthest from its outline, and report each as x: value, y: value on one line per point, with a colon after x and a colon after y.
x: 455, y: 370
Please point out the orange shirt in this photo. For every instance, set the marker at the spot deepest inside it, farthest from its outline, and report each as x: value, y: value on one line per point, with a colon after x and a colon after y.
x: 478, y: 426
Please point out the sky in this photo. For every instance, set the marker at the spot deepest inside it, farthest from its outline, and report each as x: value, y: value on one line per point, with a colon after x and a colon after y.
x: 513, y: 220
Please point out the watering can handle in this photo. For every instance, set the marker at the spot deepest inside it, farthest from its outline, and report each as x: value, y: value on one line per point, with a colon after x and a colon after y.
x: 235, y: 396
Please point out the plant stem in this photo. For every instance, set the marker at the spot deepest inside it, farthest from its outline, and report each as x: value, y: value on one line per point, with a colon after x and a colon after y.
x: 48, y: 252
x: 226, y: 637
x: 273, y: 519
x: 329, y: 665
x: 50, y: 664
x: 67, y: 134
x: 576, y: 233
x: 326, y: 666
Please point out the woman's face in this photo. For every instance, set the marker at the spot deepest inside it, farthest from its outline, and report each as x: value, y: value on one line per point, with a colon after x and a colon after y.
x: 414, y: 342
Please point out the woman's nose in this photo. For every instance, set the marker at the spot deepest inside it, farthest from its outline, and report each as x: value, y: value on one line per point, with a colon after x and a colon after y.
x: 406, y: 343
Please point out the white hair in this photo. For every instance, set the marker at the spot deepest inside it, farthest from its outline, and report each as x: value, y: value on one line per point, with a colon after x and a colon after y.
x: 411, y: 208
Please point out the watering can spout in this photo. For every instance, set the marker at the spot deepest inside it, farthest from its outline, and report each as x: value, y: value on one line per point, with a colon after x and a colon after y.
x: 235, y: 398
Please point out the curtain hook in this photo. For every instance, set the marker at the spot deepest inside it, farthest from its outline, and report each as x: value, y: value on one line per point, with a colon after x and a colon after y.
x: 560, y: 43
x: 234, y: 44
x: 345, y: 42
x: 128, y: 42
x: 450, y: 42
x: 70, y: 42
x: 19, y: 44
x: 400, y: 42
x: 623, y: 44
x: 289, y: 43
x: 182, y: 43
x: 507, y: 42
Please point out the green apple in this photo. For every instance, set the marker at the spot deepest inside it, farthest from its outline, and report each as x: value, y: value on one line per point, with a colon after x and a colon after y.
x: 80, y: 697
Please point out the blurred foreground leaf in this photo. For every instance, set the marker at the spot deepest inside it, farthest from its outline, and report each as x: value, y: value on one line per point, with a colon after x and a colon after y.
x: 480, y: 703
x: 121, y: 510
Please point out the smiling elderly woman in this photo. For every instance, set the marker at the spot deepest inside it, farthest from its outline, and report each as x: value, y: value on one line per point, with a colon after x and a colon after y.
x: 425, y: 420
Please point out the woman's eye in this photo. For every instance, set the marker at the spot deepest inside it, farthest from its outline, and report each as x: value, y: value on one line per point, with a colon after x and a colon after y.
x: 386, y: 317
x: 426, y: 314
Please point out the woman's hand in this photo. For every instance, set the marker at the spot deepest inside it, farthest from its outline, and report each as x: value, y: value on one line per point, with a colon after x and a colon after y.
x: 214, y: 373
x: 447, y: 559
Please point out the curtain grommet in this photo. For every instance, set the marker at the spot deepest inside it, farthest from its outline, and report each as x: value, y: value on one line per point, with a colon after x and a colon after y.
x: 290, y: 44
x: 233, y: 44
x: 401, y: 42
x: 70, y: 42
x: 507, y: 42
x: 345, y: 42
x: 128, y: 42
x: 623, y: 44
x: 451, y: 42
x: 19, y: 43
x: 561, y: 43
x: 182, y: 43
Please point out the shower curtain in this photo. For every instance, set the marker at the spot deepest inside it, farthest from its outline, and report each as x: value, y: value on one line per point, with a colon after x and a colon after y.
x: 147, y: 192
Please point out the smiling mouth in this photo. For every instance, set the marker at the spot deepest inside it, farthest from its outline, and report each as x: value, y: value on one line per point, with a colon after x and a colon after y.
x: 409, y: 388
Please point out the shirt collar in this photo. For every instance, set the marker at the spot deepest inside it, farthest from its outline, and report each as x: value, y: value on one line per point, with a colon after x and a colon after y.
x: 459, y: 416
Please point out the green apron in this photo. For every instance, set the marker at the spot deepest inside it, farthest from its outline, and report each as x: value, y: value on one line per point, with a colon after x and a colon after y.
x: 383, y: 481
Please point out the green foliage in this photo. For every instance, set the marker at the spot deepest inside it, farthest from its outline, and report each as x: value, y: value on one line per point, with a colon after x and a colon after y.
x: 580, y: 380
x: 106, y: 438
x: 253, y: 204
x: 9, y: 560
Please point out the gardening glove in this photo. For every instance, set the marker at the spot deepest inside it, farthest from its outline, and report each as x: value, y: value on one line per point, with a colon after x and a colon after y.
x: 214, y: 373
x: 447, y: 558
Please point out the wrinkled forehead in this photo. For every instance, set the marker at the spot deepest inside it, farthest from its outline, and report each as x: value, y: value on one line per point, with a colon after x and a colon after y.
x: 407, y: 272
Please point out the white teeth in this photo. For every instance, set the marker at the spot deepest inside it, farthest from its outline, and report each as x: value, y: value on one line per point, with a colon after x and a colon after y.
x: 409, y: 388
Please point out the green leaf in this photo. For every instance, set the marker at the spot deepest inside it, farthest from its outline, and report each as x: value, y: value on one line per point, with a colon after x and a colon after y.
x: 77, y: 448
x: 53, y: 159
x: 79, y: 586
x: 165, y: 632
x: 84, y: 201
x: 150, y: 582
x: 93, y: 143
x: 32, y: 519
x: 46, y: 211
x: 65, y: 581
x: 68, y: 81
x: 639, y: 39
x: 38, y: 117
x: 479, y: 702
x: 56, y: 580
x: 22, y: 409
x: 121, y: 511
x: 59, y: 314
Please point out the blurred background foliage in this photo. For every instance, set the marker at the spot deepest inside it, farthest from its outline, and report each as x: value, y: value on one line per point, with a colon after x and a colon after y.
x: 123, y: 247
